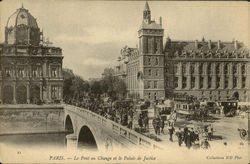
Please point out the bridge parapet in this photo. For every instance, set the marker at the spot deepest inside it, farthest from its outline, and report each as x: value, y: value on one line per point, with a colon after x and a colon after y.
x: 130, y: 135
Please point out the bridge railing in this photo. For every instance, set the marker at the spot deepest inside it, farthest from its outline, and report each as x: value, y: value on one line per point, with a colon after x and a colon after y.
x: 129, y: 134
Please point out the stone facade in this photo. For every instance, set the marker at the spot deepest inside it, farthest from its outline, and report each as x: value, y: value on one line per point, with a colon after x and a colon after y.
x: 216, y: 71
x: 31, y: 72
x: 145, y: 64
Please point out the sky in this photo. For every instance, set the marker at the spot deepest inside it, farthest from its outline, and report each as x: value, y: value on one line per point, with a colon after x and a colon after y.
x: 92, y: 33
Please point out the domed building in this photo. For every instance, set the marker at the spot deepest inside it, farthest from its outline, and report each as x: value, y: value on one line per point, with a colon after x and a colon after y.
x: 31, y: 69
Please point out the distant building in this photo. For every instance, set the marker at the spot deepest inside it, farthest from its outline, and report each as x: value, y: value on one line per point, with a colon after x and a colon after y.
x: 216, y: 71
x: 31, y: 69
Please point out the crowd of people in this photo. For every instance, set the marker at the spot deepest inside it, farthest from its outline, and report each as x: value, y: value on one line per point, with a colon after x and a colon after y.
x: 123, y: 112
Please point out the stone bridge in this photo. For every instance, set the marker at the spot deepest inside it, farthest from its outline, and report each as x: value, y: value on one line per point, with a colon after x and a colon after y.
x: 88, y: 130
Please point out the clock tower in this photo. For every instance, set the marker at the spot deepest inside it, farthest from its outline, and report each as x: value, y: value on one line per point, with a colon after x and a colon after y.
x: 151, y: 60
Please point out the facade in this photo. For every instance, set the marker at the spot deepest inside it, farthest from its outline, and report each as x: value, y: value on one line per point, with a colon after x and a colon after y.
x: 144, y: 66
x: 216, y: 71
x: 31, y: 72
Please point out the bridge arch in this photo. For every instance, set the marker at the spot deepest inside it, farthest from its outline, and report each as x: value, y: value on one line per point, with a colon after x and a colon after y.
x: 69, y: 125
x: 86, y: 139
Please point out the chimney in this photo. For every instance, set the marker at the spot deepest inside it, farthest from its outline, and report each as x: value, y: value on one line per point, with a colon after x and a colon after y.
x: 196, y: 43
x: 209, y: 44
x: 160, y: 20
x: 236, y: 44
x: 218, y: 44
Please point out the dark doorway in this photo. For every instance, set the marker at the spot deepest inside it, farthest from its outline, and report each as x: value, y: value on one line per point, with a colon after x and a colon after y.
x: 68, y: 125
x: 35, y: 94
x: 21, y: 95
x: 8, y: 94
x: 86, y: 140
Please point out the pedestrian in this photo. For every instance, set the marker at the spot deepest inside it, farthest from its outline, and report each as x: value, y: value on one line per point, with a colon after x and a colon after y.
x: 179, y: 136
x: 162, y: 124
x: 185, y: 131
x: 171, y: 131
x: 192, y: 134
x: 154, y: 122
x: 210, y: 133
x: 140, y: 124
x: 158, y: 125
x: 145, y: 120
x: 188, y: 140
x: 205, y: 144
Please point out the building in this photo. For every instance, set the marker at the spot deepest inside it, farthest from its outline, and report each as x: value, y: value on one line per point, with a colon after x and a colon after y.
x: 145, y: 65
x: 31, y: 69
x: 216, y: 71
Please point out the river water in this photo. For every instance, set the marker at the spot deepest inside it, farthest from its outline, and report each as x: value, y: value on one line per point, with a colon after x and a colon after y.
x: 35, y: 141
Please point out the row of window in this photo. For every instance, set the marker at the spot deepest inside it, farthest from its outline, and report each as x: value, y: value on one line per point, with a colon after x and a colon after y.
x: 209, y: 82
x: 35, y: 72
x: 155, y: 95
x: 149, y: 84
x: 201, y: 68
x: 156, y: 73
x: 153, y: 60
x: 152, y: 45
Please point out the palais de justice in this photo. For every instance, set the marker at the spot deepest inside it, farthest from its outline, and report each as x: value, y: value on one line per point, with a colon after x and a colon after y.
x: 210, y: 70
x: 31, y: 71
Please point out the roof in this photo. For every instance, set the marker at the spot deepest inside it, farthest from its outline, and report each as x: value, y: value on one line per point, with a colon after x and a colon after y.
x: 21, y: 16
x: 146, y: 7
x: 203, y: 46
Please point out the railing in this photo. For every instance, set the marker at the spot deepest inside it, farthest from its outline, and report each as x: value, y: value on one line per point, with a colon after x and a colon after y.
x: 132, y: 136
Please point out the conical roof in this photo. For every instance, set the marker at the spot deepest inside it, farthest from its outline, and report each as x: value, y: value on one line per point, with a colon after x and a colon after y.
x: 146, y: 7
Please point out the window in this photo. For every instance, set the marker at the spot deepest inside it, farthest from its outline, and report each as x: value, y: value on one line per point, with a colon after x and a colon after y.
x: 20, y: 72
x: 209, y: 81
x: 192, y: 82
x: 218, y: 82
x: 156, y: 61
x: 53, y: 72
x: 149, y: 61
x: 7, y: 72
x: 234, y: 82
x: 175, y: 81
x: 34, y: 72
x: 157, y: 72
x: 192, y: 68
x: 226, y: 82
x: 155, y: 95
x: 184, y: 82
x: 183, y: 68
x: 149, y: 95
x: 201, y: 82
x: 149, y: 84
x: 175, y: 68
x: 155, y: 84
x: 209, y: 68
x: 243, y: 70
x: 226, y: 69
x: 217, y: 69
x: 234, y: 68
x: 243, y: 81
x: 149, y: 72
x: 201, y: 68
x: 54, y: 92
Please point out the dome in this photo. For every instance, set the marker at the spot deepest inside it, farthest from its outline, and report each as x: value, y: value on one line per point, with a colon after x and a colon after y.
x: 21, y: 16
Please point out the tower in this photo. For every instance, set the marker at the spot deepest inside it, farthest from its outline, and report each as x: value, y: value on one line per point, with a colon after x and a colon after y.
x: 151, y: 57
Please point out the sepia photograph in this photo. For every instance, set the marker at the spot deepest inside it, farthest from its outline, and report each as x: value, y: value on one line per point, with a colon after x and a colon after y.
x: 124, y: 81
